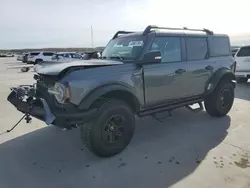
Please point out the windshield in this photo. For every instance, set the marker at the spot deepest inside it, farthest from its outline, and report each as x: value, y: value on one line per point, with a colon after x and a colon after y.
x: 124, y: 48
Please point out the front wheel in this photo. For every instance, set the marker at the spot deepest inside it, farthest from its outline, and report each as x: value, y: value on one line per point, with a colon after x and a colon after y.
x: 220, y: 102
x: 112, y: 131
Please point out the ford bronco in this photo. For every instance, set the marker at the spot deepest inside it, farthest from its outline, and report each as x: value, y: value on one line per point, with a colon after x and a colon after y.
x: 139, y: 73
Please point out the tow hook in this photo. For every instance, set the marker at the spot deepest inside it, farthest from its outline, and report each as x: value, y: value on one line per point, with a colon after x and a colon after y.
x: 26, y: 117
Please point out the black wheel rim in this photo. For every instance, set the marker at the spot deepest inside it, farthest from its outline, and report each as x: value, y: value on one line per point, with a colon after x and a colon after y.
x: 113, y: 129
x: 225, y: 98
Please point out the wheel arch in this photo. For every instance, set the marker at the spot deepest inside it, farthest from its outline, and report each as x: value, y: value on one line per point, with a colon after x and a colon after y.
x: 116, y: 91
x: 221, y: 74
x: 38, y: 59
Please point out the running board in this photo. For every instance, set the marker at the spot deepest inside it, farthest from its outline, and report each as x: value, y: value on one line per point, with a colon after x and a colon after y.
x: 164, y: 118
x: 169, y: 107
x: 200, y: 108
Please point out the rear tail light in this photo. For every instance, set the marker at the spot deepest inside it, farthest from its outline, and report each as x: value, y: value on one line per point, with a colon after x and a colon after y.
x: 234, y: 66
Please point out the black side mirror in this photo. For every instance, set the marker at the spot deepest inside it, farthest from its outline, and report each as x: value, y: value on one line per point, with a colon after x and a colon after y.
x: 151, y: 57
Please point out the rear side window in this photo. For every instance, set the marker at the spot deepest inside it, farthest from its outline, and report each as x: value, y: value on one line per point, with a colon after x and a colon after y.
x: 219, y: 46
x: 48, y: 53
x: 34, y: 53
x: 196, y: 48
x: 244, y: 52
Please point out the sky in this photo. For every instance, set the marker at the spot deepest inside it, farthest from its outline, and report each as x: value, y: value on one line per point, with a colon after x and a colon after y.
x: 67, y: 23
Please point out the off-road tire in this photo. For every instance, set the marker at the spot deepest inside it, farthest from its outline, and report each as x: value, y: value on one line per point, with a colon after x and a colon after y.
x: 242, y: 80
x: 25, y: 69
x: 91, y: 132
x: 212, y: 102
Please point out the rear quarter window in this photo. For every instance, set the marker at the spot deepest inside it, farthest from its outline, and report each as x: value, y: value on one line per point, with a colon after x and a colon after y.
x: 48, y: 53
x: 244, y: 52
x: 34, y: 53
x: 196, y: 48
x: 219, y: 46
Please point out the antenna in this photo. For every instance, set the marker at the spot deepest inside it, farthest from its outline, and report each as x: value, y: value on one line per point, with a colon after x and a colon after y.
x: 92, y: 37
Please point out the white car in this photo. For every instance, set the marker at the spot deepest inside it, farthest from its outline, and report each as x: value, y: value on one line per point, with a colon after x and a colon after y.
x: 38, y: 57
x: 242, y: 59
x: 19, y: 58
x: 9, y: 54
x: 65, y: 57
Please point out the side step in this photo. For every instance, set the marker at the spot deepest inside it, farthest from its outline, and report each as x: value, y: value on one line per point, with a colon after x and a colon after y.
x: 200, y: 108
x: 169, y: 107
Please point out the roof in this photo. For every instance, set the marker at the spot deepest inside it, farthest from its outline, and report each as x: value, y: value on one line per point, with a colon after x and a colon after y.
x: 184, y: 31
x: 175, y: 33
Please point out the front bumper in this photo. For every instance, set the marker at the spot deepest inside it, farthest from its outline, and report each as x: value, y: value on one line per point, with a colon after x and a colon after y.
x: 242, y: 74
x: 40, y: 109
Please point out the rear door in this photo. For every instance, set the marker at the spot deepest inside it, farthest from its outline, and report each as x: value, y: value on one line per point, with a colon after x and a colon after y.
x: 242, y: 58
x: 199, y: 66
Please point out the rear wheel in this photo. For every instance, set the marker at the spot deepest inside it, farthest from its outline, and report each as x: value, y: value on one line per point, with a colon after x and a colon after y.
x: 220, y: 102
x: 112, y: 131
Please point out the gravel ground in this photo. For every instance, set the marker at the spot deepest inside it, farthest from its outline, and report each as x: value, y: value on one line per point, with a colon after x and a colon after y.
x: 187, y: 150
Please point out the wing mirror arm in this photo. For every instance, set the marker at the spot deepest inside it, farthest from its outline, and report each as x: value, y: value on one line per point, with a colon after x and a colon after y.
x: 151, y: 57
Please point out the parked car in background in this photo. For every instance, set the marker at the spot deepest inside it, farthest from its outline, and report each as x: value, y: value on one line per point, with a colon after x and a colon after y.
x: 92, y: 55
x: 10, y: 54
x: 20, y: 57
x: 234, y: 50
x: 25, y: 57
x: 242, y: 59
x: 38, y: 57
x: 65, y: 56
x: 2, y: 55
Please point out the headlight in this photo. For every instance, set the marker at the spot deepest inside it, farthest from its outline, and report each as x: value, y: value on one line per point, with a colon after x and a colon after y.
x: 60, y: 92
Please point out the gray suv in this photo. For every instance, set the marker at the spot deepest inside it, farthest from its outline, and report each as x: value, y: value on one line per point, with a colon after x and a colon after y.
x: 139, y: 73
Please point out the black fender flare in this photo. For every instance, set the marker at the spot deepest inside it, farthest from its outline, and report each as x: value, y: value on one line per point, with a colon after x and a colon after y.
x: 223, y: 73
x: 102, y: 90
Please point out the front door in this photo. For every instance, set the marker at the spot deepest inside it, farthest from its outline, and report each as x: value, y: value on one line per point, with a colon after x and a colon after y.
x: 166, y: 81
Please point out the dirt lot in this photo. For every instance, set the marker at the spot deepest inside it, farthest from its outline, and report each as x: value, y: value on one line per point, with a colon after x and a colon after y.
x: 188, y: 150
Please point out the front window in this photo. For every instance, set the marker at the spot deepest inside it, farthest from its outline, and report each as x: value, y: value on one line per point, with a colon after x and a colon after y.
x: 170, y: 48
x: 124, y: 48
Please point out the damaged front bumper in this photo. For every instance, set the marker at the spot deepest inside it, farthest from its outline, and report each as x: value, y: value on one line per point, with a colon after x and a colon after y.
x: 23, y: 98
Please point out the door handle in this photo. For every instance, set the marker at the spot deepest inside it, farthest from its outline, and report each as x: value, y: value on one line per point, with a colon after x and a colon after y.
x: 179, y: 71
x: 209, y: 67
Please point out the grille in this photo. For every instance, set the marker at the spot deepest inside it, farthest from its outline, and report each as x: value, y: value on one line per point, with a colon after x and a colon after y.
x: 43, y: 83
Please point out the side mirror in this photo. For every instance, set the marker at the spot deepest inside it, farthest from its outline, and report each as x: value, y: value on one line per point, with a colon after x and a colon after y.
x: 151, y: 57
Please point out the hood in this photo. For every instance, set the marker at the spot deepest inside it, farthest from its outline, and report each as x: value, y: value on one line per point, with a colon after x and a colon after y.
x: 54, y: 68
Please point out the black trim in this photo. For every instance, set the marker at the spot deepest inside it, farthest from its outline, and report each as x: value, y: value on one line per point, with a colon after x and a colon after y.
x: 100, y: 91
x: 217, y: 76
x: 169, y: 106
x: 63, y: 119
x: 121, y: 32
x: 150, y: 27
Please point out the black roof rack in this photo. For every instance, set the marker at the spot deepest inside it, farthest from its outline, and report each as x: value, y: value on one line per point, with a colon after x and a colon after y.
x: 148, y: 29
x: 121, y: 32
